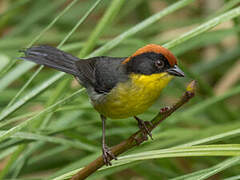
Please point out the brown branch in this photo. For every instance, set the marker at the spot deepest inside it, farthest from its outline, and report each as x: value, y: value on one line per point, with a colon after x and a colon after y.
x: 136, y: 138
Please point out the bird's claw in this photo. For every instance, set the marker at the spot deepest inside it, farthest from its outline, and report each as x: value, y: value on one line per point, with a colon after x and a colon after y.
x: 107, y: 155
x: 143, y: 126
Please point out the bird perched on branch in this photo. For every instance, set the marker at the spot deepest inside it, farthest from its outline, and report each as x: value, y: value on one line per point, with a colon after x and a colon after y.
x: 118, y: 87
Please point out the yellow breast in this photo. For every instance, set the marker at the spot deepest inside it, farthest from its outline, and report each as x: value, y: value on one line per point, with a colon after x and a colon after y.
x: 132, y: 97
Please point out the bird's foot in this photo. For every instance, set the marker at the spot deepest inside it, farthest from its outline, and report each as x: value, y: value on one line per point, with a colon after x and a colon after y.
x: 143, y: 126
x: 107, y: 155
x: 165, y: 109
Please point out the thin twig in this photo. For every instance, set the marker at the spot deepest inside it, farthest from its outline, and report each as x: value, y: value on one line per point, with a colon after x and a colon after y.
x: 136, y: 138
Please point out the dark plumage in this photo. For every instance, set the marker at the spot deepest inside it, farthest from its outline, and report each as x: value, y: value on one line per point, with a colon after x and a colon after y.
x: 102, y: 72
x: 51, y: 57
x: 118, y: 87
x: 146, y: 63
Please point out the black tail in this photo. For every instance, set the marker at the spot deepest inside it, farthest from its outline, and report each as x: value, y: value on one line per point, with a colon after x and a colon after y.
x: 51, y: 57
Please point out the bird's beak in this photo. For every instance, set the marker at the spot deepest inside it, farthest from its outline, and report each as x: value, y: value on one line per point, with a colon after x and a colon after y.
x: 175, y: 71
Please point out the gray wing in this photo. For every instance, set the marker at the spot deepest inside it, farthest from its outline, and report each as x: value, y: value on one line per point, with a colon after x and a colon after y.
x: 86, y: 72
x: 102, y: 73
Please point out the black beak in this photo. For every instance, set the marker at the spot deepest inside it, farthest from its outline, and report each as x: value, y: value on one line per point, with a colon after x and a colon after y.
x: 175, y: 71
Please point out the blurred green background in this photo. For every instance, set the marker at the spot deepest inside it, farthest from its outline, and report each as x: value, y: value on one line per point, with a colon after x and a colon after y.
x: 48, y: 128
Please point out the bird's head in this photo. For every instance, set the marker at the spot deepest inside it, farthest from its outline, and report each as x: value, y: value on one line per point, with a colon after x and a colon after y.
x: 153, y: 59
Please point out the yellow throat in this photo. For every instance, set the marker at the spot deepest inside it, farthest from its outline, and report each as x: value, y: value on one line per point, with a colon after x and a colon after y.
x: 134, y: 96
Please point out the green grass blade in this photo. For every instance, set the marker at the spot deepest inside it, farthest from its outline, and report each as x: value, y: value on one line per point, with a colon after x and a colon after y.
x: 230, y: 4
x: 139, y: 27
x: 55, y: 140
x: 30, y: 95
x: 109, y: 15
x: 23, y: 88
x: 204, y: 27
x: 64, y: 11
x: 13, y: 158
x: 25, y: 66
x: 38, y: 15
x: 205, y: 173
x: 80, y: 22
x: 146, y: 23
x: 28, y: 121
x: 36, y: 91
x: 15, y: 74
x: 233, y: 178
x: 210, y: 150
x: 35, y: 40
x: 210, y: 101
x: 215, y: 138
x: 7, y: 152
x: 220, y: 167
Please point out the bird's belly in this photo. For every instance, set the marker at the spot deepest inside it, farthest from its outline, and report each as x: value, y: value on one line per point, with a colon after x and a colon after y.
x: 133, y: 97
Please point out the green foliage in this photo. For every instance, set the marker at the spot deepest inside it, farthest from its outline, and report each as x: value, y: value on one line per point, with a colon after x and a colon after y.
x: 49, y: 130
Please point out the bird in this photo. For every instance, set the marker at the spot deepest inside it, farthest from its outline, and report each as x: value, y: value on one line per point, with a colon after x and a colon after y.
x: 118, y: 87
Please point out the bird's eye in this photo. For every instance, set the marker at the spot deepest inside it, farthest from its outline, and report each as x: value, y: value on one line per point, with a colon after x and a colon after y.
x: 159, y: 64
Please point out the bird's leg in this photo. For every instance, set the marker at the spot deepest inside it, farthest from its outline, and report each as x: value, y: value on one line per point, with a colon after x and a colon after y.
x: 143, y: 126
x: 106, y: 152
